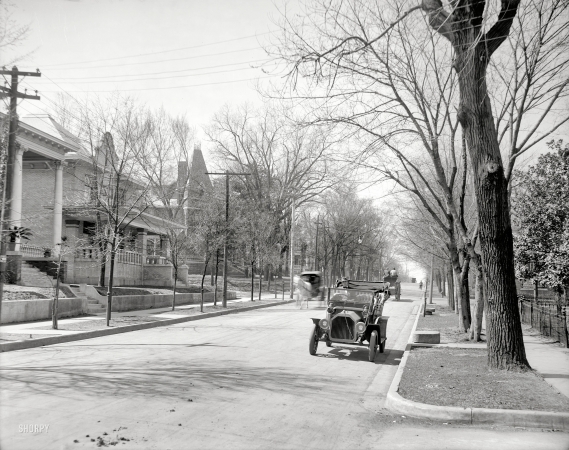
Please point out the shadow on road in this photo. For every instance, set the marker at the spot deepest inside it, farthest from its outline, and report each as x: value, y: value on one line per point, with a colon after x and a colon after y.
x: 360, y: 354
x: 167, y: 377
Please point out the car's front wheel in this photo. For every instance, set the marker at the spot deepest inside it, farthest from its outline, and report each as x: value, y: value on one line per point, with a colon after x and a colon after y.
x: 313, y: 343
x: 372, y: 346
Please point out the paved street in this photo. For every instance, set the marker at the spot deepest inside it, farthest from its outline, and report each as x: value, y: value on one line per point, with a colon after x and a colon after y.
x: 238, y: 381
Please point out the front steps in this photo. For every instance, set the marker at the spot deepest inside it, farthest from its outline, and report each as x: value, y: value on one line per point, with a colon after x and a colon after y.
x: 93, y: 305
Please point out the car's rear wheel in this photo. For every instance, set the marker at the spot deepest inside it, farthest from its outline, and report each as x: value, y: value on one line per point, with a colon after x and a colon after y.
x: 313, y: 343
x: 372, y: 346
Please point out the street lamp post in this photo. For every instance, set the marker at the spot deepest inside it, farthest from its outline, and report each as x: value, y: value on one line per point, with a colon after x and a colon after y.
x: 292, y: 253
x: 225, y: 246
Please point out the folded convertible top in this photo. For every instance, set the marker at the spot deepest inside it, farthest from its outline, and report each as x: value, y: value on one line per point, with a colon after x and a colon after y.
x: 364, y: 285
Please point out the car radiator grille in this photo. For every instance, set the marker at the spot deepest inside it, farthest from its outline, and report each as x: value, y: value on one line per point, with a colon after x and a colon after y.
x: 342, y: 328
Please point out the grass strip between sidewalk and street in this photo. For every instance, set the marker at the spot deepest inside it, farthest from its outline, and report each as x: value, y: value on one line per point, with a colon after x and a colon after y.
x: 460, y: 376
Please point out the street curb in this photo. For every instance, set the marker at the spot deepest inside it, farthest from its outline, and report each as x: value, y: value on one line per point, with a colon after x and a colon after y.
x: 519, y: 418
x: 22, y: 345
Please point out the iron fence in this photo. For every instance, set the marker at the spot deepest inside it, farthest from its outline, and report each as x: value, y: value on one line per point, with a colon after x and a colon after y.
x: 548, y: 318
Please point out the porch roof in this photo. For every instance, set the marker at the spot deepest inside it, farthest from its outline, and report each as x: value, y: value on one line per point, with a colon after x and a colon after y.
x: 135, y: 219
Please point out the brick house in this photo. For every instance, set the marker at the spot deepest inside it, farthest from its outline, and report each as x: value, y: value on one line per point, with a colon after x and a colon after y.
x: 52, y: 192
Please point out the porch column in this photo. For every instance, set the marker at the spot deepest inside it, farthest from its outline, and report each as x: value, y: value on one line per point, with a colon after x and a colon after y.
x: 142, y: 240
x: 16, y: 204
x: 57, y: 207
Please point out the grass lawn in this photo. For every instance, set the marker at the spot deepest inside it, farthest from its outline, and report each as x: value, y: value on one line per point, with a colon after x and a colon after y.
x: 460, y: 377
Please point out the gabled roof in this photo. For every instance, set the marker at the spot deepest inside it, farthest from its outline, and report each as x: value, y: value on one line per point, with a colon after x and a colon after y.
x: 47, y: 124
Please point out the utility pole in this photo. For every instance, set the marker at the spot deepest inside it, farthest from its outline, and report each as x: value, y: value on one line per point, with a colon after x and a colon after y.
x: 10, y: 158
x: 292, y: 253
x: 225, y: 246
x: 431, y: 287
x: 316, y: 249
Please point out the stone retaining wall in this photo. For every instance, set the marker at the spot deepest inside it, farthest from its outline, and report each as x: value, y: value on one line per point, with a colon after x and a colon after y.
x: 40, y: 309
x: 135, y: 302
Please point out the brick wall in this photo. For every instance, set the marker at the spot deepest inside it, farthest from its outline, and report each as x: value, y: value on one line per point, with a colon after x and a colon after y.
x: 38, y: 197
x: 38, y: 191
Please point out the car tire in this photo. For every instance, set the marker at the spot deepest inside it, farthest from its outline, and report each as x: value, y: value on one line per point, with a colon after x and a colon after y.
x: 382, y: 347
x: 313, y: 343
x: 372, y: 346
x: 328, y: 344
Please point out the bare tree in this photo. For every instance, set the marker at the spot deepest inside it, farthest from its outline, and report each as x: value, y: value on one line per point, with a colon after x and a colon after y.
x: 12, y: 34
x: 163, y: 164
x: 111, y: 134
x: 352, y: 33
x: 530, y: 79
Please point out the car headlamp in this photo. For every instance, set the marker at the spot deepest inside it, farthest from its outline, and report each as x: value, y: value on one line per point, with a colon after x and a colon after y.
x: 360, y: 327
x: 324, y: 324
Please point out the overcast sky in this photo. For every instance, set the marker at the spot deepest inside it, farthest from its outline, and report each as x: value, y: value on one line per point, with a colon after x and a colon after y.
x: 189, y: 56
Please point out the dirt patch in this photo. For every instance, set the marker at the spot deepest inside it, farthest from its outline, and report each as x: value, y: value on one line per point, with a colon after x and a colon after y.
x: 461, y: 377
x: 25, y: 295
x: 118, y: 291
x: 445, y: 320
x: 16, y: 292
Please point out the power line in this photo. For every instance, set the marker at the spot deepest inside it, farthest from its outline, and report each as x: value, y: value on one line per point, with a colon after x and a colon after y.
x: 170, y: 71
x: 160, y: 52
x: 163, y: 78
x: 162, y: 60
x: 175, y: 87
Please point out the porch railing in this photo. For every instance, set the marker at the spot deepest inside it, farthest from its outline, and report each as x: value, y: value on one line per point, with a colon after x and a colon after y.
x: 156, y: 259
x: 32, y: 250
x: 121, y: 256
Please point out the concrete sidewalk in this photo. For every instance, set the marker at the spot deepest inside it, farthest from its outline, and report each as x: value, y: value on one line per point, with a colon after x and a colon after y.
x: 546, y: 357
x: 165, y: 316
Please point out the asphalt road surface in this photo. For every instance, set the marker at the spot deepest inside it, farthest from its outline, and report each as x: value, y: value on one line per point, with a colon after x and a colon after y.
x: 242, y: 381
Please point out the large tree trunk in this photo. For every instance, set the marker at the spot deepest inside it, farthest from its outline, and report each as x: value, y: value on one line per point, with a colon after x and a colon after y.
x: 465, y: 314
x: 504, y: 331
x: 476, y: 327
x: 450, y: 280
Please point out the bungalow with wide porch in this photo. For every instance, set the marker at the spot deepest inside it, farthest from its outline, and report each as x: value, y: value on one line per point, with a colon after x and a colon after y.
x: 51, y: 191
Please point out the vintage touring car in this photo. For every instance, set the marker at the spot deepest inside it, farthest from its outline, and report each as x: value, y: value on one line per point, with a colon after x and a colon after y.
x: 353, y: 316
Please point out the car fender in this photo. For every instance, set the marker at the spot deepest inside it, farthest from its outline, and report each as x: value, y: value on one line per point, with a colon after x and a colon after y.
x: 315, y: 321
